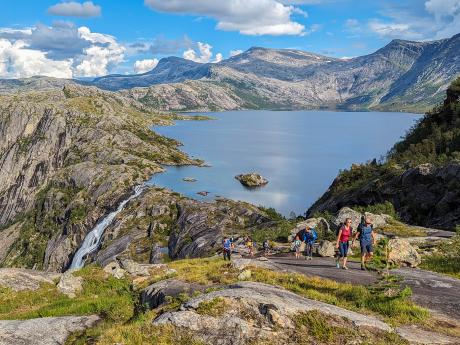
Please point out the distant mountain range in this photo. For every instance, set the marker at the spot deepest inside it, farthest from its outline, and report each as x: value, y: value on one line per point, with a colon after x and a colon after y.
x: 402, y: 76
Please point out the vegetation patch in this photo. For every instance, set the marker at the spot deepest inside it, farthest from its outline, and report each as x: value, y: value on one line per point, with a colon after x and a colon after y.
x: 447, y: 258
x: 214, y: 307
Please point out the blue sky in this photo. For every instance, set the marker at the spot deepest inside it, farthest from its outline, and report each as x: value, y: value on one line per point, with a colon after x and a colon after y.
x: 93, y: 38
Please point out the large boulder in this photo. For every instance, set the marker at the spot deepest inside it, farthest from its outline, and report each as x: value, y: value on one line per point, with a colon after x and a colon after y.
x: 70, y: 285
x: 326, y: 249
x: 320, y: 224
x: 156, y: 294
x: 19, y: 279
x: 252, y: 180
x: 44, y: 331
x: 344, y: 213
x: 401, y: 252
x: 113, y: 268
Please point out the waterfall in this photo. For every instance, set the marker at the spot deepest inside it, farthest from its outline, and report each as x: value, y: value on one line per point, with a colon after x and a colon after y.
x: 93, y: 238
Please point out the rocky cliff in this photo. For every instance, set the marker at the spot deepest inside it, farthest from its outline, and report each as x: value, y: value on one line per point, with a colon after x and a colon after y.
x: 420, y: 177
x: 403, y: 75
x: 67, y: 157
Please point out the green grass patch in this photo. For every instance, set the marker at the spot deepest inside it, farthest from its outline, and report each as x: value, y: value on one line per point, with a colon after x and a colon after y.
x: 102, y: 294
x: 214, y: 307
x: 446, y: 260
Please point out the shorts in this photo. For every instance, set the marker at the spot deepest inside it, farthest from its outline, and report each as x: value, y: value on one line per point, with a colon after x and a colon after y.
x: 297, y: 249
x: 343, y: 249
x: 366, y: 247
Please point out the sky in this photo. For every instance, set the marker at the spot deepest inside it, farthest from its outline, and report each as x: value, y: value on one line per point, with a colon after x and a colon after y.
x: 83, y: 39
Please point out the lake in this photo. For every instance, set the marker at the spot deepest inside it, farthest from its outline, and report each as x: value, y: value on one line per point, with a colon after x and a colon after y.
x: 299, y: 152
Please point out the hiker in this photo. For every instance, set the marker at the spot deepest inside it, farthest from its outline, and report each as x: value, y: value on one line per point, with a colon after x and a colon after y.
x: 227, y: 248
x: 266, y: 246
x: 343, y: 238
x: 310, y: 237
x: 296, y: 244
x: 367, y: 239
x: 250, y: 246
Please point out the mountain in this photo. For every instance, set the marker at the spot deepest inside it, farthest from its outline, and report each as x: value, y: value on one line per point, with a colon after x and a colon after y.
x: 403, y: 75
x: 420, y: 177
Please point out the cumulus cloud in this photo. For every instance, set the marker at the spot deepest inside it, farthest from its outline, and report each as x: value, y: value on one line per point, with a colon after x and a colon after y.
x: 250, y: 17
x: 18, y: 61
x: 61, y: 50
x: 235, y: 52
x: 75, y: 9
x: 202, y: 53
x: 142, y: 66
x: 394, y: 30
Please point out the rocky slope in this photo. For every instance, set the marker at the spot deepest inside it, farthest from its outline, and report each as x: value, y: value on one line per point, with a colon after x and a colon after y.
x: 403, y: 75
x: 420, y: 177
x: 67, y: 157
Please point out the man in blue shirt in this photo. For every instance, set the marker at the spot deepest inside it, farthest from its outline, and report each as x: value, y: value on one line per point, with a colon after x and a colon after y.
x: 367, y: 239
x: 309, y: 238
x: 227, y: 248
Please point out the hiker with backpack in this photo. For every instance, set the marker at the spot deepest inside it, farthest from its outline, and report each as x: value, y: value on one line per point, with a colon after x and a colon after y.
x: 227, y: 248
x: 310, y: 236
x: 367, y: 239
x: 343, y: 237
x: 266, y: 246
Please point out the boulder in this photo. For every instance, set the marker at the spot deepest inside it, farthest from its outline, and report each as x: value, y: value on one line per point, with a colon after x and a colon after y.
x: 326, y: 249
x: 43, y: 331
x: 252, y: 180
x: 134, y: 268
x: 378, y: 220
x: 156, y: 294
x: 317, y: 223
x: 344, y: 213
x: 155, y: 254
x: 401, y: 252
x: 114, y: 269
x: 70, y: 285
x: 19, y: 279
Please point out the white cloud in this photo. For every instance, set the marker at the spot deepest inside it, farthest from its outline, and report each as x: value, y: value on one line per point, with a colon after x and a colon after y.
x: 75, y: 9
x: 202, y: 54
x: 62, y: 51
x: 394, y: 30
x: 96, y: 59
x: 17, y: 61
x: 142, y: 66
x: 235, y: 52
x: 250, y: 17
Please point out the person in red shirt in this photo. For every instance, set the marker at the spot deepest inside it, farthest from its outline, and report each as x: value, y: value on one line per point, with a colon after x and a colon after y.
x: 343, y: 238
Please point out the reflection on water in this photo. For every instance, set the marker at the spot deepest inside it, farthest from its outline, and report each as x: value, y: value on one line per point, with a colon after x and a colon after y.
x: 299, y: 152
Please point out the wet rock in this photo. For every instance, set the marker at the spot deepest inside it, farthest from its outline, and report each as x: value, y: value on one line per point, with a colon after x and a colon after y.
x: 401, y: 252
x: 326, y: 249
x: 156, y: 294
x: 44, y: 331
x: 252, y: 180
x: 19, y: 279
x: 70, y: 285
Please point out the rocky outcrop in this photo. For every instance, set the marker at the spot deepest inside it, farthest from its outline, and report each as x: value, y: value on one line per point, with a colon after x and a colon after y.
x: 70, y: 284
x: 25, y: 279
x: 401, y: 252
x: 254, y: 311
x: 45, y: 331
x: 67, y: 157
x: 326, y: 248
x: 156, y: 294
x: 252, y: 180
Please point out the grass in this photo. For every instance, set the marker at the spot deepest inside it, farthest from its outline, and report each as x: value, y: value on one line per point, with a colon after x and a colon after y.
x: 214, y: 307
x: 400, y: 229
x: 446, y: 260
x: 102, y: 294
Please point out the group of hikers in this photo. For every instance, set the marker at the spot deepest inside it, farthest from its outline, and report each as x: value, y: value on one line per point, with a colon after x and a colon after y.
x: 364, y: 234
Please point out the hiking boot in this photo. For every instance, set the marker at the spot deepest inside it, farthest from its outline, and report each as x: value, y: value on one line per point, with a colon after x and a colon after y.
x: 345, y: 267
x: 363, y: 268
x: 310, y: 258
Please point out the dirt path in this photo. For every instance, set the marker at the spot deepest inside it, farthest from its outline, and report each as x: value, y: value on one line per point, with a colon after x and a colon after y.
x: 433, y: 291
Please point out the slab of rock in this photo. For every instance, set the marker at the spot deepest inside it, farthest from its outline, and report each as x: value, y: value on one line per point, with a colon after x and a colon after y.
x: 137, y: 269
x: 415, y: 335
x: 251, y: 180
x: 270, y: 308
x: 156, y: 294
x: 401, y: 252
x: 115, y: 270
x: 70, y: 285
x: 43, y: 331
x: 326, y: 249
x: 19, y: 279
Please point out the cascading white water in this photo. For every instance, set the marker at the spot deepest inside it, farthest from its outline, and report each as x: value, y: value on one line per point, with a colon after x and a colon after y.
x: 93, y: 238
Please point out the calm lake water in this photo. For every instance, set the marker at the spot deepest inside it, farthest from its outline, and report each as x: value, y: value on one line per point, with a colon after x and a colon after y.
x: 299, y: 152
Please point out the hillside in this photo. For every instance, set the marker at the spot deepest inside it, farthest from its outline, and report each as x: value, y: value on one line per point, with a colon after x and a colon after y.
x: 404, y: 75
x: 420, y: 176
